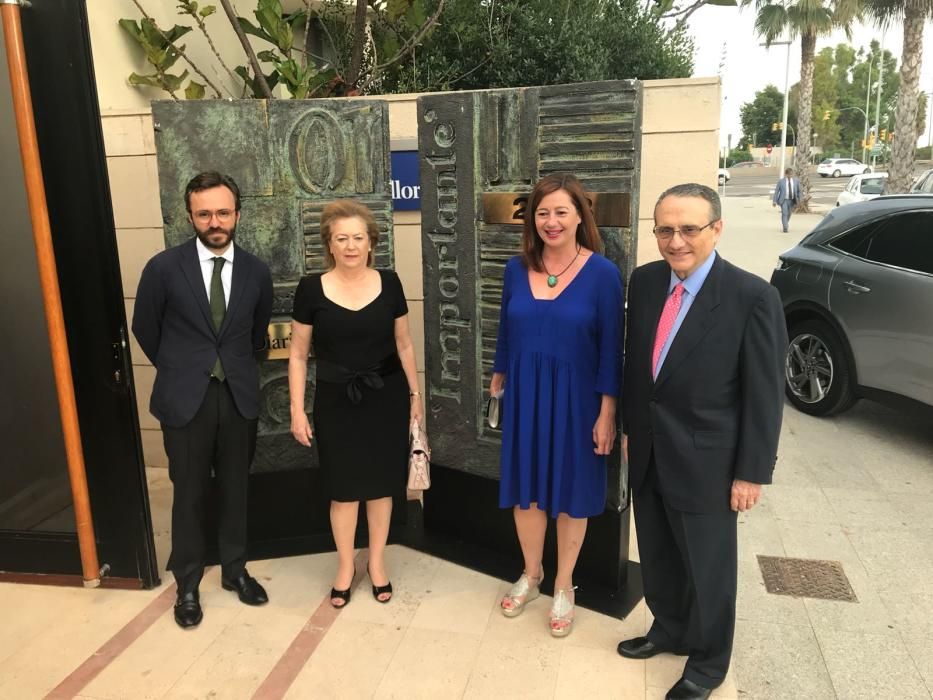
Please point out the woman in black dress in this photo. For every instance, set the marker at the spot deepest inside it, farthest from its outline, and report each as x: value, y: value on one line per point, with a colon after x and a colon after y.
x: 366, y: 388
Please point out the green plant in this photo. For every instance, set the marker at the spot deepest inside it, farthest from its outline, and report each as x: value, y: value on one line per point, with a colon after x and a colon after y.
x: 371, y: 35
x: 162, y: 54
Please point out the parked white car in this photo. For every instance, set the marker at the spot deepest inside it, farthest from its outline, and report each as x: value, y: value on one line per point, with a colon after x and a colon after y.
x: 837, y: 167
x: 861, y: 188
x: 723, y: 176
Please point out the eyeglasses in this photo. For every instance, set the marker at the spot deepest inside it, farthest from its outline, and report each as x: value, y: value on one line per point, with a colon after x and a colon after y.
x: 204, y: 217
x: 666, y: 232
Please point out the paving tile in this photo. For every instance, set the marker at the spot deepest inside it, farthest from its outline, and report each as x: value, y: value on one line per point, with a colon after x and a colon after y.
x: 598, y: 673
x: 240, y: 658
x: 866, y: 665
x: 817, y: 541
x: 779, y: 661
x: 664, y: 670
x: 430, y: 664
x: 920, y: 648
x: 85, y: 620
x: 792, y: 468
x: 459, y: 600
x: 596, y: 631
x: 864, y: 509
x: 798, y: 503
x: 350, y: 661
x: 755, y: 604
x: 411, y: 573
x: 869, y: 614
x: 509, y: 670
x: 895, y: 558
x: 911, y: 612
x: 758, y: 534
x: 161, y: 656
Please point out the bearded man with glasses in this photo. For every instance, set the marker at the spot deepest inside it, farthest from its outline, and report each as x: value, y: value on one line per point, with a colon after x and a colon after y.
x: 202, y: 311
x: 701, y: 416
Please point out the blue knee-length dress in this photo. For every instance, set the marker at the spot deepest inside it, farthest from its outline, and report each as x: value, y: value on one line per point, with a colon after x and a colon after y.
x: 560, y: 357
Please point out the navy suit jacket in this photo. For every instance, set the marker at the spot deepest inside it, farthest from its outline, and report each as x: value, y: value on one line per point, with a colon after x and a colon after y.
x: 172, y: 322
x: 714, y: 413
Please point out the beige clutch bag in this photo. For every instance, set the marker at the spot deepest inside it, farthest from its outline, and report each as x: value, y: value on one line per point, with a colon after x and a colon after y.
x: 419, y: 459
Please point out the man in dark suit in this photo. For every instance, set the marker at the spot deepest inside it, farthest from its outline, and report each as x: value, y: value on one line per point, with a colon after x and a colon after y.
x: 702, y: 407
x: 202, y: 311
x: 786, y: 195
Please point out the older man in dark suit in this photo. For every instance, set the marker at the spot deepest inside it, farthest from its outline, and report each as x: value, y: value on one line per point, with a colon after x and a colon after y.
x: 202, y: 311
x: 702, y: 407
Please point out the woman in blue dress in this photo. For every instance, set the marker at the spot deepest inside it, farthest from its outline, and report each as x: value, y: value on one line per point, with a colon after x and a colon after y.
x: 558, y: 363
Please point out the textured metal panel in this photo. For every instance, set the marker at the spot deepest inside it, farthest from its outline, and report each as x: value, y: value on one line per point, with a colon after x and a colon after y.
x: 806, y: 578
x: 504, y: 141
x: 290, y: 158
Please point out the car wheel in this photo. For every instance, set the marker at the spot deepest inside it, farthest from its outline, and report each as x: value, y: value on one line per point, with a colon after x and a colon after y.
x: 837, y: 173
x: 866, y: 171
x: 816, y: 369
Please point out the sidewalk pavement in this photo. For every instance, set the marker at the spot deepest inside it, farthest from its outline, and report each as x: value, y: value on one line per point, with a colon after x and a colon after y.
x: 856, y: 489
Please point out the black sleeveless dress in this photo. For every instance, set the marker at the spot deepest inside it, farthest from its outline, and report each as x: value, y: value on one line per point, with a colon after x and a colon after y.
x: 361, y: 402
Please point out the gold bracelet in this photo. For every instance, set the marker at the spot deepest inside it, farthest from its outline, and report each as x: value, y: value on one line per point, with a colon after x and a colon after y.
x: 414, y: 393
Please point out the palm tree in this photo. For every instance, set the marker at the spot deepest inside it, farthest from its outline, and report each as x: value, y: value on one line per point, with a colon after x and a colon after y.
x: 913, y: 14
x: 807, y: 19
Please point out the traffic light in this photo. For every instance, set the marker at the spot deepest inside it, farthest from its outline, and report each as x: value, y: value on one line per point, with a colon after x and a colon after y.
x: 826, y: 116
x: 777, y: 126
x: 884, y: 135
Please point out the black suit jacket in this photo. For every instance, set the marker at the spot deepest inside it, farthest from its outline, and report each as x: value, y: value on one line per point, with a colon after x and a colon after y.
x: 714, y: 413
x: 172, y: 322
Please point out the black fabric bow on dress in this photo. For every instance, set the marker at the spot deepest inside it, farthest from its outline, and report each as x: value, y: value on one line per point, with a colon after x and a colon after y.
x: 355, y: 380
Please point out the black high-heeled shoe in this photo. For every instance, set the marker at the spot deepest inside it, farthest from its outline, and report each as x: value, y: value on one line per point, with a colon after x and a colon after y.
x: 342, y: 595
x: 380, y: 590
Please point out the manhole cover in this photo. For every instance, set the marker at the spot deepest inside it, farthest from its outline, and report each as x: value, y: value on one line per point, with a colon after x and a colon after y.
x: 806, y: 578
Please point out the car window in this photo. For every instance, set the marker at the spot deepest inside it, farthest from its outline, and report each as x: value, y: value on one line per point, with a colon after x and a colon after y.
x: 927, y: 185
x: 905, y: 241
x: 872, y: 185
x: 857, y: 240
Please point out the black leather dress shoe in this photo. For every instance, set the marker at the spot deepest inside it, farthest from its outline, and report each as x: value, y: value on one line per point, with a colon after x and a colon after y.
x: 644, y: 648
x: 687, y: 690
x: 248, y: 589
x: 188, y: 610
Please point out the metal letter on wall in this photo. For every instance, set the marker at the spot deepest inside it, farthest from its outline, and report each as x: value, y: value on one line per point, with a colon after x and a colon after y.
x: 481, y: 153
x: 289, y: 158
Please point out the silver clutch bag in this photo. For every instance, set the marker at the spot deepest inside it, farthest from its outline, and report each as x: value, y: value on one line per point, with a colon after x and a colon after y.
x: 492, y: 409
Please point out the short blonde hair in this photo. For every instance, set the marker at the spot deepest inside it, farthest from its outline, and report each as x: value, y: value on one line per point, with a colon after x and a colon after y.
x: 347, y: 209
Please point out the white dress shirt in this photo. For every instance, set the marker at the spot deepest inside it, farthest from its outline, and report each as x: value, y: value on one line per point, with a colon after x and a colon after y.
x: 206, y: 256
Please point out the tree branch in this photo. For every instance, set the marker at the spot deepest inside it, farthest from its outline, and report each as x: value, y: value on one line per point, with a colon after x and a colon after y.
x: 210, y: 42
x: 686, y: 12
x: 407, y: 47
x: 250, y: 54
x: 180, y: 51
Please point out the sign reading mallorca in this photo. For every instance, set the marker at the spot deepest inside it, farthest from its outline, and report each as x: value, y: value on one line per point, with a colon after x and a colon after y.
x: 406, y: 181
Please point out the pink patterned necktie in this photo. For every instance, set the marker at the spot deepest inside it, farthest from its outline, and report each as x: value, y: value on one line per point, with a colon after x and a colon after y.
x: 666, y: 324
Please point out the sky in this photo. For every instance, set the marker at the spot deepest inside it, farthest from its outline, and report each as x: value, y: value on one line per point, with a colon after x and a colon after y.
x: 748, y: 67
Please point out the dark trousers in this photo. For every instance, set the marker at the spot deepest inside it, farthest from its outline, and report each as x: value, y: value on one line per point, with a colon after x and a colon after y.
x: 689, y: 569
x: 219, y: 440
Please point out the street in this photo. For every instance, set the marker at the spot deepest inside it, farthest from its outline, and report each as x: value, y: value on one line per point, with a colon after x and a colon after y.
x: 755, y: 183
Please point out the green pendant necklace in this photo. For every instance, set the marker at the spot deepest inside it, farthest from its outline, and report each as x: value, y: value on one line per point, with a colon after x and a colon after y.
x: 552, y: 279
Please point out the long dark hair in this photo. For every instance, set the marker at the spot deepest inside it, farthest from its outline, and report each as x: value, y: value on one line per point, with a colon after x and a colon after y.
x: 587, y: 233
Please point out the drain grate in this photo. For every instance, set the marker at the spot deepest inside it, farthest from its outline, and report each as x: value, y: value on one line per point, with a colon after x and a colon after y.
x: 806, y: 578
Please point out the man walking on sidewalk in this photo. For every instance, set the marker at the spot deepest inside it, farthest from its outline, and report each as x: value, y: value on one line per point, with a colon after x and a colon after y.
x: 786, y: 195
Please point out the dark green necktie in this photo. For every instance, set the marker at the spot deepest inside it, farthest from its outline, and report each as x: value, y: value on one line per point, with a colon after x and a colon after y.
x: 218, y: 309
